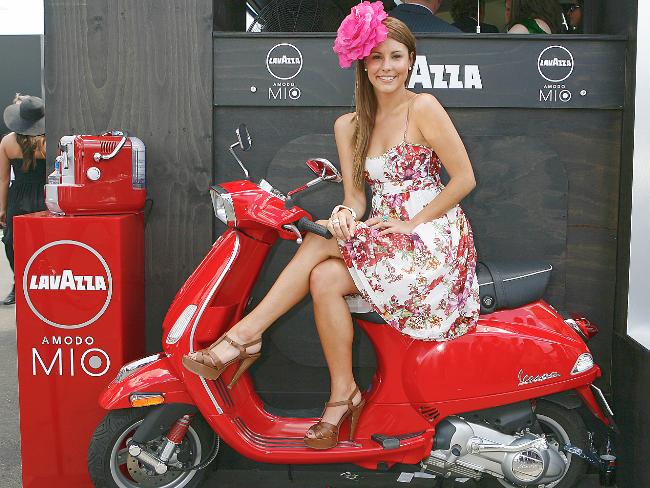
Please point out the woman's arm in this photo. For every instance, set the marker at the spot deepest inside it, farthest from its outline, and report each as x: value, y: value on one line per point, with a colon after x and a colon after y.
x: 441, y: 135
x: 354, y: 197
x: 5, y: 174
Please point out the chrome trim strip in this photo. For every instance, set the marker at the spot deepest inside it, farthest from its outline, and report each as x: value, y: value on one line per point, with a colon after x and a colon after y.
x: 529, y: 274
x: 602, y: 397
x: 234, y: 254
x: 99, y: 156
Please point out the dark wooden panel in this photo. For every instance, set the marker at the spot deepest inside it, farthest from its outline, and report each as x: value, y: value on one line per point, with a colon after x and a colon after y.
x: 145, y: 67
x: 462, y: 71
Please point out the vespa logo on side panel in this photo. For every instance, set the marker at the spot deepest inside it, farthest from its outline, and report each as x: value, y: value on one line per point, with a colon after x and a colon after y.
x: 284, y: 63
x: 555, y: 64
x: 68, y: 285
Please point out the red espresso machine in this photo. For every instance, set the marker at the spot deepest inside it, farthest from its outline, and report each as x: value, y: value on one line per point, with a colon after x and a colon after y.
x: 79, y: 271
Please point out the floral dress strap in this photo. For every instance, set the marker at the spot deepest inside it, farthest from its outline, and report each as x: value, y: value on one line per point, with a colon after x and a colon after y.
x: 408, y: 112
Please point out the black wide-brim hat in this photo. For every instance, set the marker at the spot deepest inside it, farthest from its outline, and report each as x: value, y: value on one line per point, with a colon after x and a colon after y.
x: 26, y: 118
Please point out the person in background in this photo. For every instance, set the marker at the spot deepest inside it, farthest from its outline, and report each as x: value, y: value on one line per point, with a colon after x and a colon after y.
x: 420, y: 16
x: 465, y: 16
x: 573, y: 13
x: 22, y: 150
x: 533, y: 17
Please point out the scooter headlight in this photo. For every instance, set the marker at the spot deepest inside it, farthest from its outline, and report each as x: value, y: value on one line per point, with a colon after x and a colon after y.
x: 133, y: 366
x: 222, y: 204
x: 585, y: 362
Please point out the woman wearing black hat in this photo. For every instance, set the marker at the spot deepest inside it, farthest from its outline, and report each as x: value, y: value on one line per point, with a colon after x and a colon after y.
x: 24, y: 151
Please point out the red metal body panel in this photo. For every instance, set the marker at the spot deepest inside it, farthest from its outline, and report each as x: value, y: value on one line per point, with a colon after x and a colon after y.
x: 512, y: 356
x: 261, y: 214
x: 79, y: 317
x: 156, y: 377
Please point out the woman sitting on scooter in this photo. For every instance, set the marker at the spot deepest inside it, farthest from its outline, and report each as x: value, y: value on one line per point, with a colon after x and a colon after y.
x: 413, y: 260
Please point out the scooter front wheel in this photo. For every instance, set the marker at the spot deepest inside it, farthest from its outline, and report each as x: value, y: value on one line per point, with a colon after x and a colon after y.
x: 111, y: 466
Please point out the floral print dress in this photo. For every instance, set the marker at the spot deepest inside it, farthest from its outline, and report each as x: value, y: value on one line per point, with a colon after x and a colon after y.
x: 423, y: 284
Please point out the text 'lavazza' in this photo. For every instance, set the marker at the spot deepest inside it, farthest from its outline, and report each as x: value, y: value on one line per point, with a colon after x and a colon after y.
x: 67, y: 280
x: 445, y: 75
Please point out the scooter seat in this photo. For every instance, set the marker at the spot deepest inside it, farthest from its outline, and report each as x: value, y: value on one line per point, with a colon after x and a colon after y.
x: 502, y: 285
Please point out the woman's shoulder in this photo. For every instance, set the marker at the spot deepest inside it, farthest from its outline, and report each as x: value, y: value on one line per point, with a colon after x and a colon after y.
x: 9, y: 138
x: 424, y: 100
x: 526, y: 26
x: 345, y: 121
x: 344, y: 125
x: 8, y: 145
x: 425, y: 104
x: 518, y: 29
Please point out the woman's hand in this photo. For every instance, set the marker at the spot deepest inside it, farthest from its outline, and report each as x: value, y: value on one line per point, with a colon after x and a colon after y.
x: 342, y: 225
x: 391, y: 226
x: 3, y: 219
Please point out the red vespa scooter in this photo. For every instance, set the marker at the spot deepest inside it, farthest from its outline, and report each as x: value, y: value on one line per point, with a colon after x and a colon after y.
x: 510, y: 400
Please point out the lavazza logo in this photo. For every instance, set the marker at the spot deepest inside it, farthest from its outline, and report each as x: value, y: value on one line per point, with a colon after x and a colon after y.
x: 451, y: 76
x: 555, y: 64
x: 284, y: 63
x: 68, y: 285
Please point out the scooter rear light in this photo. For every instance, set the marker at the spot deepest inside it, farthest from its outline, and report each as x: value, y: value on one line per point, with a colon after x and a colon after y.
x: 587, y: 328
x: 146, y: 399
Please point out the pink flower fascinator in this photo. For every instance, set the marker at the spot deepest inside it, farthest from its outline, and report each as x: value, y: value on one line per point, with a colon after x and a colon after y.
x: 360, y: 32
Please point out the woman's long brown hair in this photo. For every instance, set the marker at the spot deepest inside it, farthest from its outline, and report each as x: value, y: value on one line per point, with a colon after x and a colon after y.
x: 547, y: 10
x: 30, y: 146
x: 366, y: 102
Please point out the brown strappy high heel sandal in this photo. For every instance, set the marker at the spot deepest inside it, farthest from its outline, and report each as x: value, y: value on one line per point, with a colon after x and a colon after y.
x: 326, y: 435
x: 210, y: 366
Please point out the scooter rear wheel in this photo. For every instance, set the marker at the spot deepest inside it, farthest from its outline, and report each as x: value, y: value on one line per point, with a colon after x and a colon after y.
x: 562, y: 426
x: 111, y: 466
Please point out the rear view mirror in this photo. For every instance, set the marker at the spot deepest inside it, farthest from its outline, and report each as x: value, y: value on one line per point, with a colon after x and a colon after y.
x: 324, y: 169
x: 243, y: 137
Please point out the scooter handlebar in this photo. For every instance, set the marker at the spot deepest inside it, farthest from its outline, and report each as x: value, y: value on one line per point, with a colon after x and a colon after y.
x: 306, y: 225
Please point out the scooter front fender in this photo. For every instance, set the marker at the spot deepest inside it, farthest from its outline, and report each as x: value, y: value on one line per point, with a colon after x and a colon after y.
x: 154, y: 377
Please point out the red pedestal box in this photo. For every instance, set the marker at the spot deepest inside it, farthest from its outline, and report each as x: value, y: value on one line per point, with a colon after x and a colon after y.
x: 79, y: 318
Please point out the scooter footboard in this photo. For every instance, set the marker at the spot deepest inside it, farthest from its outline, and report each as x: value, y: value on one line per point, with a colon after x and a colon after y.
x: 152, y: 375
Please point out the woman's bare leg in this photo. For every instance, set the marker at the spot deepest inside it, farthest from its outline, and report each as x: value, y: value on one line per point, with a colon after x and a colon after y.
x: 290, y: 287
x: 330, y: 281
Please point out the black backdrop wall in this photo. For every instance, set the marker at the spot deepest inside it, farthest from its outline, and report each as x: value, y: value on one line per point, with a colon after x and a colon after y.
x: 546, y: 156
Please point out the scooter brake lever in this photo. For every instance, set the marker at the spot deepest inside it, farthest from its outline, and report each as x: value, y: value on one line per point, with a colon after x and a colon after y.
x: 294, y: 229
